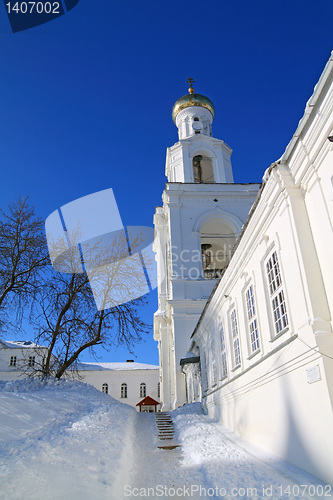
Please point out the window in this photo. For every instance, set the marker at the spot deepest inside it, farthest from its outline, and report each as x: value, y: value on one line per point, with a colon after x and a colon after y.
x: 213, y: 361
x: 224, y: 367
x: 142, y: 390
x: 203, y: 360
x: 105, y: 388
x: 12, y: 361
x: 31, y: 361
x: 123, y: 391
x: 158, y: 390
x: 235, y: 338
x: 276, y: 294
x: 252, y: 319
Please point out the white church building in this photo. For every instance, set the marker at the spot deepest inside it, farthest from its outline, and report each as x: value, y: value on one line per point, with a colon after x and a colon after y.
x: 245, y: 296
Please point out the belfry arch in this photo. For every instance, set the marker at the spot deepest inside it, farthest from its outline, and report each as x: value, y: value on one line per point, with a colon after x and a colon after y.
x: 217, y: 239
x: 203, y: 169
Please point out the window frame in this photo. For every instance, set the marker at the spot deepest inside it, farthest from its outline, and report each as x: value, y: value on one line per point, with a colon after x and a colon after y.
x: 123, y: 390
x: 235, y: 338
x: 213, y: 375
x: 143, y: 390
x: 223, y: 349
x: 105, y: 388
x: 252, y: 319
x: 276, y: 294
x: 203, y: 367
x: 13, y: 361
x: 31, y: 361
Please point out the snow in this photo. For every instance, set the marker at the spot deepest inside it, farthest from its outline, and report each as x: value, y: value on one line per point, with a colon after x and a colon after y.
x: 117, y: 366
x: 64, y: 440
x: 19, y: 344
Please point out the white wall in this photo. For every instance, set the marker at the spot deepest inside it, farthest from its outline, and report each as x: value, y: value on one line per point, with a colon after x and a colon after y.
x: 133, y: 378
x: 22, y: 369
x: 281, y: 396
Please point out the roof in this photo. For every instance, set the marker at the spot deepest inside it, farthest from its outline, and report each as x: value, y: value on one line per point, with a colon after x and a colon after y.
x: 323, y: 80
x: 20, y: 344
x: 116, y: 366
x: 188, y: 100
x: 148, y: 401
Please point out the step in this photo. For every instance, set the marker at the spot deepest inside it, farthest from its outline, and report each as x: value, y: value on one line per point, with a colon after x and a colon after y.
x: 166, y: 432
x: 168, y: 447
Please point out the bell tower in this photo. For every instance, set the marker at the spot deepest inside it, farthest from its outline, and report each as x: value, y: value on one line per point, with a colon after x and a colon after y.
x: 197, y: 157
x: 196, y: 228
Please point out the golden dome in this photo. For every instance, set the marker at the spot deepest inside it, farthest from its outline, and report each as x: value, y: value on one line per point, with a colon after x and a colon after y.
x: 189, y: 100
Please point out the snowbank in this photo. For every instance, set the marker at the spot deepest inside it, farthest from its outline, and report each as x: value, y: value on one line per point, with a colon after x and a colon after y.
x: 65, y: 440
x: 233, y: 468
x: 61, y: 440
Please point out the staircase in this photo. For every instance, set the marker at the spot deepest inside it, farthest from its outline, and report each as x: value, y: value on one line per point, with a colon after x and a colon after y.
x: 166, y: 431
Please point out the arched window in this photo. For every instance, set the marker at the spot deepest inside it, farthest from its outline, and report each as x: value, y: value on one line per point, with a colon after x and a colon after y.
x: 142, y: 390
x: 123, y: 391
x: 105, y: 388
x: 217, y: 242
x: 203, y: 170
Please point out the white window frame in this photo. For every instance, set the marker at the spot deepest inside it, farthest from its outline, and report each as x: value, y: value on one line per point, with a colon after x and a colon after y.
x: 13, y: 361
x: 31, y: 361
x: 223, y: 357
x: 203, y: 363
x: 143, y: 390
x: 212, y: 356
x: 252, y: 320
x: 276, y: 294
x: 123, y: 391
x: 234, y: 330
x: 105, y: 388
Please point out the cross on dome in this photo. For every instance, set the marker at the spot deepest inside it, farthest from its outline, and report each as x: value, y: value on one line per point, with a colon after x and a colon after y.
x: 190, y: 81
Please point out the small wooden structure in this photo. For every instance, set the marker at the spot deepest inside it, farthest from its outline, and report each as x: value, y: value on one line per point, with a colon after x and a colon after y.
x: 148, y: 404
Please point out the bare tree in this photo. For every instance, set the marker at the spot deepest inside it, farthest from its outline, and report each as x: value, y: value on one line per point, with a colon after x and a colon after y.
x: 23, y: 257
x: 66, y: 316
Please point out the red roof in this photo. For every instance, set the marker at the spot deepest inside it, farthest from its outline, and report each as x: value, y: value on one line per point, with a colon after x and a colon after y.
x: 148, y: 401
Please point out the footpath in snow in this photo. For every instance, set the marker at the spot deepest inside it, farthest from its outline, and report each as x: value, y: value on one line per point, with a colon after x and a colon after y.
x: 67, y: 441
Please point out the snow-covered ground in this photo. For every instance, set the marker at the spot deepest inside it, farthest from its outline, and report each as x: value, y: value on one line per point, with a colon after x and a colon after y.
x: 67, y: 441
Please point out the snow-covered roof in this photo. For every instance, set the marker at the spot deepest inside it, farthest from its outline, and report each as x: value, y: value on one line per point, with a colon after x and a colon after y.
x: 116, y: 366
x: 19, y: 344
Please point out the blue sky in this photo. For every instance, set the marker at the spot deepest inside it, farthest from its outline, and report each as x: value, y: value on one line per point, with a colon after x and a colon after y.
x: 86, y: 99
